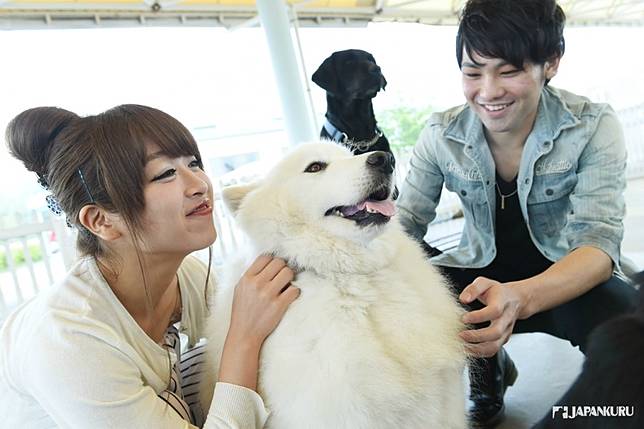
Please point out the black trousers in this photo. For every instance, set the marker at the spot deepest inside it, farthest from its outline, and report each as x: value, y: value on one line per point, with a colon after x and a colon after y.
x: 572, y: 321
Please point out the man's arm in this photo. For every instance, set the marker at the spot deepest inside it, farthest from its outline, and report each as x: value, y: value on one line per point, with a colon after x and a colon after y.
x: 597, y: 202
x: 505, y: 303
x: 421, y: 190
x: 570, y: 277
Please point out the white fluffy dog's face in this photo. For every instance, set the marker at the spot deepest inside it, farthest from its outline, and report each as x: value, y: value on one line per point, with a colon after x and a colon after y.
x: 319, y: 187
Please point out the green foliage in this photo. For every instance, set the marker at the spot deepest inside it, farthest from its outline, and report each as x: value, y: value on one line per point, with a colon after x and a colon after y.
x: 18, y: 254
x: 402, y: 125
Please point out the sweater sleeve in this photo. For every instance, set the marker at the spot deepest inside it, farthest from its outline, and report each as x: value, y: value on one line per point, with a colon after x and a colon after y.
x: 235, y: 407
x: 82, y: 381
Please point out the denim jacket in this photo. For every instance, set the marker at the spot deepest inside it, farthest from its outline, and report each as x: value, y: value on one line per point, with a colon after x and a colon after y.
x: 570, y: 183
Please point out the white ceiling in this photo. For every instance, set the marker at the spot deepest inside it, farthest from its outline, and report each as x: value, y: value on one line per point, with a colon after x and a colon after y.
x: 16, y: 14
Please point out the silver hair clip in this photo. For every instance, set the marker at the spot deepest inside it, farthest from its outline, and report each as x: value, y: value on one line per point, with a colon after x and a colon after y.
x: 89, y: 194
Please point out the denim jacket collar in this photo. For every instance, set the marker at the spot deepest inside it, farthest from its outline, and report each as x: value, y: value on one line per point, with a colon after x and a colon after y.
x: 553, y: 116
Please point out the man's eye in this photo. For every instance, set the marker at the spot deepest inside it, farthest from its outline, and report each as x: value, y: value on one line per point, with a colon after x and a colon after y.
x: 168, y: 173
x: 315, y: 167
x: 471, y: 75
x: 509, y: 72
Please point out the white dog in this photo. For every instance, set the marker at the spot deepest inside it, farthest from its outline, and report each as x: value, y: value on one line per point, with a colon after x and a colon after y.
x: 372, y: 341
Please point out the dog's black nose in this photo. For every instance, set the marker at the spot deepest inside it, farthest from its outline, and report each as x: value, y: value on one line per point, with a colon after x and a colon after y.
x: 382, y: 161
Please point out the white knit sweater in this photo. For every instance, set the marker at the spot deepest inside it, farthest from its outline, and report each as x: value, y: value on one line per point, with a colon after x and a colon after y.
x: 73, y: 357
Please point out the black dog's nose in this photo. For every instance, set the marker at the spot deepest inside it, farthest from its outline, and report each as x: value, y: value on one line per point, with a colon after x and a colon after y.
x: 382, y: 161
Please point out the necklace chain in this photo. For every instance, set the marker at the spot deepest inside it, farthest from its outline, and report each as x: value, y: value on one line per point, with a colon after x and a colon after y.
x: 503, y: 197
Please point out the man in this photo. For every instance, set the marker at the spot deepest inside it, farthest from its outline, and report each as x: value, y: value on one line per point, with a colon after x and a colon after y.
x: 540, y: 174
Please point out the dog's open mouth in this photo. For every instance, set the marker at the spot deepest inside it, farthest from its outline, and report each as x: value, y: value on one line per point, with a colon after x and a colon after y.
x: 376, y: 209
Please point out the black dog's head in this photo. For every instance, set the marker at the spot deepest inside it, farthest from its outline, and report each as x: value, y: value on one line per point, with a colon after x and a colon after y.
x: 350, y: 74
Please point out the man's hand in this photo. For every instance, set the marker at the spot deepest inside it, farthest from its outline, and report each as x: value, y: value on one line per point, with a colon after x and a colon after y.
x: 503, y: 305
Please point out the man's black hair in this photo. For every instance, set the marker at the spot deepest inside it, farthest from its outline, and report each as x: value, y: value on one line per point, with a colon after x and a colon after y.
x: 513, y: 30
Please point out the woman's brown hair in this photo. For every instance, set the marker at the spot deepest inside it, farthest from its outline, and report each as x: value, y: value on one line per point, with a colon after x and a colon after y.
x: 96, y: 160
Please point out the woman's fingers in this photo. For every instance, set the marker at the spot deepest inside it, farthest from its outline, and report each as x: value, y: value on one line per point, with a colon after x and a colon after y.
x: 265, y: 268
x: 261, y: 298
x: 281, y: 280
x: 258, y: 265
x: 271, y: 270
x: 290, y: 294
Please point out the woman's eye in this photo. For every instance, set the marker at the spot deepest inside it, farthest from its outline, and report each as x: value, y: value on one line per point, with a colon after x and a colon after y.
x: 471, y: 75
x: 509, y: 72
x: 168, y: 173
x: 315, y: 167
x: 196, y: 163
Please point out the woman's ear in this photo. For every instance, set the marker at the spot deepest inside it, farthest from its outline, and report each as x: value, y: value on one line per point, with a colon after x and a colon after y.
x: 100, y: 222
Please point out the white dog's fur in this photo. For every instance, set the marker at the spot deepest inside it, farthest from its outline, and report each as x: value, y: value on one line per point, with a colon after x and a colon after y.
x: 372, y: 341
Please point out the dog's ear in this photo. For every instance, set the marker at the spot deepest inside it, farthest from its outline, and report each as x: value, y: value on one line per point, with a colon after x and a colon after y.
x: 232, y: 196
x: 326, y: 76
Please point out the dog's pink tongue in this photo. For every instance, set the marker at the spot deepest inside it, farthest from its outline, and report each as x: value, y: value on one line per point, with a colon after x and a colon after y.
x: 385, y: 207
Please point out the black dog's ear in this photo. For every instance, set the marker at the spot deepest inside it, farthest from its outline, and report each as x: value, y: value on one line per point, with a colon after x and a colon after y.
x: 326, y: 77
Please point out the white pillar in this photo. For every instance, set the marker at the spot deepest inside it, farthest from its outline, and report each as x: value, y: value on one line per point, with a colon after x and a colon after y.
x: 273, y: 15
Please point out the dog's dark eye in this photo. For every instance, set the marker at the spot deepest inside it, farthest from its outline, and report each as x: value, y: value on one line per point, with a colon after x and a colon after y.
x: 315, y: 167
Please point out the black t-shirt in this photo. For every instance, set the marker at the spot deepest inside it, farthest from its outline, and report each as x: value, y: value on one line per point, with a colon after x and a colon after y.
x: 517, y: 257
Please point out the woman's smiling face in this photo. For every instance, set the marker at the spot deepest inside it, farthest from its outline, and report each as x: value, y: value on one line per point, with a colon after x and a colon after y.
x: 178, y: 214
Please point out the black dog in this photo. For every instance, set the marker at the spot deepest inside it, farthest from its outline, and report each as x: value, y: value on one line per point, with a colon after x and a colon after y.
x: 612, y: 376
x: 351, y: 79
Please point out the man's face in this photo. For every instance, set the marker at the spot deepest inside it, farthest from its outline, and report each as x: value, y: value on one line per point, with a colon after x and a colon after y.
x: 504, y: 98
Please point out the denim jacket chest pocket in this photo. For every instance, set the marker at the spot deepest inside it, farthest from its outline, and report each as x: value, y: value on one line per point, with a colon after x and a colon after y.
x: 472, y: 194
x: 549, y: 201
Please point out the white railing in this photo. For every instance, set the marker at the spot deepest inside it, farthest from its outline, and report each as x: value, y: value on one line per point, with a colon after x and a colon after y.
x: 35, y: 254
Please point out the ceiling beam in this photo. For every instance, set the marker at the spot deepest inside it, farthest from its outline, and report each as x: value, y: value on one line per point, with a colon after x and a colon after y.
x: 174, y: 12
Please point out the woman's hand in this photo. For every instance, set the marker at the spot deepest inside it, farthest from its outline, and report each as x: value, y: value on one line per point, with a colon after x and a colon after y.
x: 261, y: 298
x: 503, y: 305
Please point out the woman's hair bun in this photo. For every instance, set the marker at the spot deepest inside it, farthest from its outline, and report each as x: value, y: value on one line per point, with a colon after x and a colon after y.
x: 30, y: 136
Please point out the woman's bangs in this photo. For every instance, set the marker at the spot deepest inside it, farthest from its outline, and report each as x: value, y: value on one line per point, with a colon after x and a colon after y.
x: 169, y: 135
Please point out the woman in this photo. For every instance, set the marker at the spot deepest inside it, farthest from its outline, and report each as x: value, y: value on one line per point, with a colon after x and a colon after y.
x: 100, y: 349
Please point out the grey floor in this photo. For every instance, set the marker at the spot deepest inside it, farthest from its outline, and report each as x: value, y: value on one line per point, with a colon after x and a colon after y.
x: 547, y: 365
